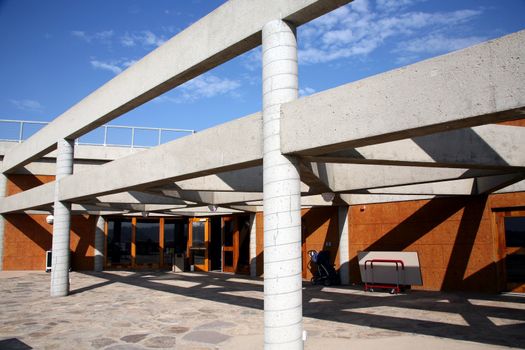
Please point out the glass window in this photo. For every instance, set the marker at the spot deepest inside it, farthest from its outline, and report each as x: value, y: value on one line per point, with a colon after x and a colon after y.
x: 515, y: 231
x: 175, y: 239
x: 147, y: 242
x: 228, y: 233
x: 199, y: 257
x: 198, y: 234
x: 119, y: 241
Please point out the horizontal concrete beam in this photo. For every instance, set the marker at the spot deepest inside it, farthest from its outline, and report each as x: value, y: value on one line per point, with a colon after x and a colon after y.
x: 472, y: 186
x: 363, y: 199
x: 487, y: 147
x: 34, y: 198
x: 356, y: 177
x: 475, y: 86
x: 227, y: 32
x: 240, y: 147
x: 135, y: 197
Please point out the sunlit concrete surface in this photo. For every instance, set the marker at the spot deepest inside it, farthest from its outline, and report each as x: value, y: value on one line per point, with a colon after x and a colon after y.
x: 146, y: 310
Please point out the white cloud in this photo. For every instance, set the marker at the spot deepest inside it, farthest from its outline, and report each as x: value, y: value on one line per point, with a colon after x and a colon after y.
x: 204, y: 86
x: 103, y: 37
x: 437, y: 43
x: 109, y: 66
x: 143, y: 38
x: 306, y: 91
x: 28, y: 105
x: 360, y: 28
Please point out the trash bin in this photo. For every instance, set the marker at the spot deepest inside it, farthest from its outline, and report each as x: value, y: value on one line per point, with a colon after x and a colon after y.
x: 178, y: 265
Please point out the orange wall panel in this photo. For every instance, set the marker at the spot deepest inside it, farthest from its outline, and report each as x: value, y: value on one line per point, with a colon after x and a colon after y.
x: 28, y: 237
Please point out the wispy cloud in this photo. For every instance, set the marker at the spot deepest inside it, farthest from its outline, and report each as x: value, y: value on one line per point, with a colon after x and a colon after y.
x: 103, y: 37
x: 306, y: 91
x: 143, y: 38
x: 28, y: 105
x: 363, y: 26
x: 204, y: 86
x: 108, y: 66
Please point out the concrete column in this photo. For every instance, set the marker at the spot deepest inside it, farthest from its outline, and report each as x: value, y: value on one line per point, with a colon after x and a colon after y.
x: 3, y: 184
x: 283, y: 311
x: 99, y: 244
x: 61, y: 223
x: 344, y: 256
x: 253, y: 245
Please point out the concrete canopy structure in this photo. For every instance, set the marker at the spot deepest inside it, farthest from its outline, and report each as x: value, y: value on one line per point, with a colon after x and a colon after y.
x: 425, y: 130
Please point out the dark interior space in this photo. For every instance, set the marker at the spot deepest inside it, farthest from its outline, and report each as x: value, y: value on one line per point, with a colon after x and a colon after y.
x: 215, y: 243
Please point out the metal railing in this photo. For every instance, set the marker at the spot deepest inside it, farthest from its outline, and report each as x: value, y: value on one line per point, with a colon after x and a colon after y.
x: 21, y: 127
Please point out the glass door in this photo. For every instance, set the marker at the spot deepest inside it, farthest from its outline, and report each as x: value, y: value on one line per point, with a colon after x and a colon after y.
x: 199, y: 237
x: 515, y: 252
x: 230, y: 244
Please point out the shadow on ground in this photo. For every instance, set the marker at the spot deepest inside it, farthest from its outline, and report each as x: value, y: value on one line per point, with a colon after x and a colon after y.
x: 481, y: 318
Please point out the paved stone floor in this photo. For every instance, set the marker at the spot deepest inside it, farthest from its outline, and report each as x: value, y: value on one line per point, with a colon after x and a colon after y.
x: 151, y: 310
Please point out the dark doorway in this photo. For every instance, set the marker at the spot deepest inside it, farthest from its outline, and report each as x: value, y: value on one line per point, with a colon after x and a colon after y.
x: 215, y: 244
x: 515, y: 250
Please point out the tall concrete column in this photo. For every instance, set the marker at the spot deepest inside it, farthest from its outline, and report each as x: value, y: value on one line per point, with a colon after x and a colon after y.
x: 283, y: 310
x: 344, y: 256
x: 253, y: 245
x: 61, y: 223
x: 3, y: 184
x: 99, y: 244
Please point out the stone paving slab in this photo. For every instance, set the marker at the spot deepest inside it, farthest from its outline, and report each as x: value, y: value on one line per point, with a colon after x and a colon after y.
x: 190, y: 311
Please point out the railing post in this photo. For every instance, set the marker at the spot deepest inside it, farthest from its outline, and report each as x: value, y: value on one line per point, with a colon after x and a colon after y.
x: 160, y: 136
x: 105, y: 135
x: 21, y: 134
x: 132, y: 137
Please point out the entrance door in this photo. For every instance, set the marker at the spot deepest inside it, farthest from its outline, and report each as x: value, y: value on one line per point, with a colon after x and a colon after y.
x: 230, y: 244
x: 515, y: 252
x: 199, y: 237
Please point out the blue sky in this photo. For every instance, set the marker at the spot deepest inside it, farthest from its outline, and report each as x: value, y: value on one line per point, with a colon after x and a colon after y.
x: 55, y: 52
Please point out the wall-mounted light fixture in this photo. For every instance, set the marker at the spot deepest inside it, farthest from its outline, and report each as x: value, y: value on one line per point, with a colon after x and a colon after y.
x: 213, y: 208
x: 328, y: 196
x: 50, y: 219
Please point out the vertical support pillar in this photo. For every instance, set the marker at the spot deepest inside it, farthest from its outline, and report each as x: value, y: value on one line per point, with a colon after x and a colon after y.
x: 283, y: 310
x: 61, y: 223
x: 344, y: 257
x: 3, y: 184
x: 253, y: 245
x: 99, y: 244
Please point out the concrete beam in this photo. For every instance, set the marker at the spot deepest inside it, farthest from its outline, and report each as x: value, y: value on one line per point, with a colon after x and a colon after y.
x: 363, y: 199
x: 227, y: 32
x: 487, y: 147
x: 353, y: 177
x: 34, y: 198
x: 240, y: 147
x: 475, y: 86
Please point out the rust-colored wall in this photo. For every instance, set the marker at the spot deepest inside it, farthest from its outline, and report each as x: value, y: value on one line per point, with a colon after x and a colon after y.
x: 18, y: 183
x: 28, y: 237
x: 453, y: 237
x: 320, y: 231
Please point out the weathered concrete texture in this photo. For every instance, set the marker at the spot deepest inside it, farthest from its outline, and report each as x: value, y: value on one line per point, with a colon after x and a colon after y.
x: 127, y: 310
x: 178, y: 164
x: 37, y: 197
x: 99, y: 244
x: 60, y: 261
x: 344, y: 255
x: 282, y: 195
x: 478, y: 85
x: 230, y: 30
x: 487, y: 146
x: 3, y: 184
